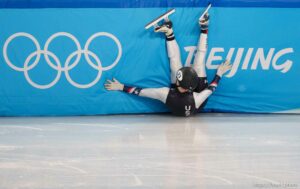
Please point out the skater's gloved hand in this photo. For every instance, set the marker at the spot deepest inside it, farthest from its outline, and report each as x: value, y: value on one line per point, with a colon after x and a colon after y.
x: 114, y: 85
x: 223, y: 68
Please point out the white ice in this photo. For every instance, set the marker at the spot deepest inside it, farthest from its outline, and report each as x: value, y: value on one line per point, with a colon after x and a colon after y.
x: 214, y: 151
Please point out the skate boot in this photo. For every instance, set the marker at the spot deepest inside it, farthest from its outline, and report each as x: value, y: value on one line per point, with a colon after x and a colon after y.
x: 165, y: 28
x: 204, y: 21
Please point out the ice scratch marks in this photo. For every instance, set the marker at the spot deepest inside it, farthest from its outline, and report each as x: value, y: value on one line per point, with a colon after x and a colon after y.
x: 21, y: 127
x: 138, y: 181
x: 71, y: 167
x: 9, y: 148
x: 186, y: 173
x: 239, y: 174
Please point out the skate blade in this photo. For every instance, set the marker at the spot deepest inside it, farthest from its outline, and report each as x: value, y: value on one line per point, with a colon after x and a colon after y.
x: 205, y: 11
x: 158, y: 19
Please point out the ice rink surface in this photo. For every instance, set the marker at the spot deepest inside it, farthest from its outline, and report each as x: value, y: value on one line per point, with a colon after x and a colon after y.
x: 215, y: 151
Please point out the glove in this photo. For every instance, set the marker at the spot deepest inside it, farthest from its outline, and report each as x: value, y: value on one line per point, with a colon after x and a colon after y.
x: 223, y: 68
x: 114, y: 85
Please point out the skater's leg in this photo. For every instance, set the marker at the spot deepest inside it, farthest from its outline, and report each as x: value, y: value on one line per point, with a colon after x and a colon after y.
x: 199, y: 61
x: 175, y: 59
x: 160, y: 94
x: 172, y: 48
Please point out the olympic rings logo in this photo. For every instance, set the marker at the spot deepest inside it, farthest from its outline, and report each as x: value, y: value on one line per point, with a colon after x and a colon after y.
x: 56, y: 65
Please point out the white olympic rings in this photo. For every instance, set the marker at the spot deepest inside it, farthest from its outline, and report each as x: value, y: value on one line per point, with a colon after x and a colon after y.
x: 56, y: 65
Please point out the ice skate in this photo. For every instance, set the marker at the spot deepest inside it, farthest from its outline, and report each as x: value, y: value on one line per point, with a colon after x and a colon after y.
x: 166, y: 28
x: 204, y: 19
x: 205, y: 11
x: 164, y: 16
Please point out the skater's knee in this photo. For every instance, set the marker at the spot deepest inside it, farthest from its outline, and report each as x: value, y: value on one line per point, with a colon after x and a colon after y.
x: 202, y: 47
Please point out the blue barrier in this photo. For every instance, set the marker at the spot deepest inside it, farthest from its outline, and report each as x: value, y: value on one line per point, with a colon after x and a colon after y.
x: 51, y: 57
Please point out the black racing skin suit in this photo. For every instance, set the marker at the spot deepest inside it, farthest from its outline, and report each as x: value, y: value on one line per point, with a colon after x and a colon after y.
x: 183, y: 104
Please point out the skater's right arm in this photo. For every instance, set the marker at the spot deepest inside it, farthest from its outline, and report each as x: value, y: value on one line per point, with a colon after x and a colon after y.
x: 203, y: 95
x: 154, y: 93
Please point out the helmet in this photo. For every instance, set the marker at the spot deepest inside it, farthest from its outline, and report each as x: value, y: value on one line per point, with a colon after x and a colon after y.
x: 187, y: 78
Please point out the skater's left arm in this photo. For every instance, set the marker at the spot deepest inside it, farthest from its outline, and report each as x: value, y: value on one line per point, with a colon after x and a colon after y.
x: 154, y: 93
x: 115, y: 85
x: 203, y: 95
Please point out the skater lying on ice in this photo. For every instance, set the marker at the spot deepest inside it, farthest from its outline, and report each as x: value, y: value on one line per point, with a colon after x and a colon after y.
x: 189, y: 89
